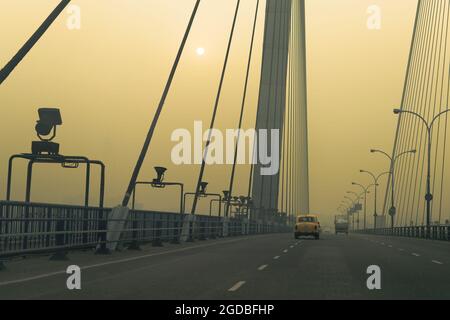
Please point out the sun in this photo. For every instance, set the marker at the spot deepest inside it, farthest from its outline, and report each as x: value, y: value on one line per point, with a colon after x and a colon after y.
x: 200, y: 51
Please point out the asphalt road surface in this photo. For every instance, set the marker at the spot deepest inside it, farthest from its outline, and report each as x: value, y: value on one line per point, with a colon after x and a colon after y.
x: 250, y: 267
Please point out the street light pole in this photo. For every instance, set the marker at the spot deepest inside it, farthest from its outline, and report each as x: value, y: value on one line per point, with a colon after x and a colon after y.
x: 358, y: 198
x: 429, y: 126
x: 375, y: 182
x: 392, y: 210
x: 351, y: 204
x: 366, y: 191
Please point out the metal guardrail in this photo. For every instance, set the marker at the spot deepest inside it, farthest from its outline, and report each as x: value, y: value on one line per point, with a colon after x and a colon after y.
x: 436, y: 232
x: 32, y: 228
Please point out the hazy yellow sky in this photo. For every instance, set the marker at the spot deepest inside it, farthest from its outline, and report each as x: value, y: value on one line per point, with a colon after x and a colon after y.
x: 108, y: 76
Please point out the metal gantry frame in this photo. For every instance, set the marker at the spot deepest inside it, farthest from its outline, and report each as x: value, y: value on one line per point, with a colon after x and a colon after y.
x: 159, y: 185
x: 204, y: 195
x: 66, y: 162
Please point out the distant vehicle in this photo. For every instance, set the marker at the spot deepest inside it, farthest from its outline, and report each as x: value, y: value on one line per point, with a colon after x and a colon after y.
x: 341, y: 224
x: 326, y: 230
x: 307, y: 225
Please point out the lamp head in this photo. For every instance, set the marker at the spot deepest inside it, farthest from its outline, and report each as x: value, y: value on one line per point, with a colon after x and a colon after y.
x: 160, y: 171
x: 203, y: 186
x: 226, y: 194
x: 397, y: 111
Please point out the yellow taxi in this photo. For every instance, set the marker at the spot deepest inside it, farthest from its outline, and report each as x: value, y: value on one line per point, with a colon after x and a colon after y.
x: 307, y: 225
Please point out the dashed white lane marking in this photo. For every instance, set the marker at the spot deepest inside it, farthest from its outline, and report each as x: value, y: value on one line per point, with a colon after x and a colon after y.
x: 415, y: 254
x: 390, y: 246
x: 262, y: 267
x: 437, y: 262
x: 285, y: 251
x: 276, y: 257
x: 292, y: 247
x: 401, y: 249
x: 236, y: 286
x: 382, y: 243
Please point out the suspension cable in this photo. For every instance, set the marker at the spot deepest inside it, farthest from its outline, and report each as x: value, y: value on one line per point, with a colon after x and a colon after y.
x: 160, y: 108
x: 23, y: 51
x: 216, y: 106
x: 403, y: 98
x: 241, y: 116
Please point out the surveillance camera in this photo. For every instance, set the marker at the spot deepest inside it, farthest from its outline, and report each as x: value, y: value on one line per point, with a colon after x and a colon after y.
x: 49, y: 118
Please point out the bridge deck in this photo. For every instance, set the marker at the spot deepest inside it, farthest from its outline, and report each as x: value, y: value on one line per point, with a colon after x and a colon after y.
x: 334, y: 267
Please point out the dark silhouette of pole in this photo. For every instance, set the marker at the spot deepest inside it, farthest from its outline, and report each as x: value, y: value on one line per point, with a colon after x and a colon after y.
x: 151, y: 131
x: 429, y: 126
x: 392, y: 210
x: 350, y: 211
x: 366, y: 191
x: 375, y: 182
x: 18, y: 57
x: 357, y: 200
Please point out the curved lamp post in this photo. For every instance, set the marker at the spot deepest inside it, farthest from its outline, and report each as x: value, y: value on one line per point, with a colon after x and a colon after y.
x: 358, y: 198
x: 429, y: 126
x: 392, y: 210
x: 347, y: 203
x: 366, y: 191
x: 375, y: 182
x: 349, y: 209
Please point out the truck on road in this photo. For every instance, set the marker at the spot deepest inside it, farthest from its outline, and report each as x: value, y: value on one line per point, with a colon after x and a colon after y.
x: 341, y: 224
